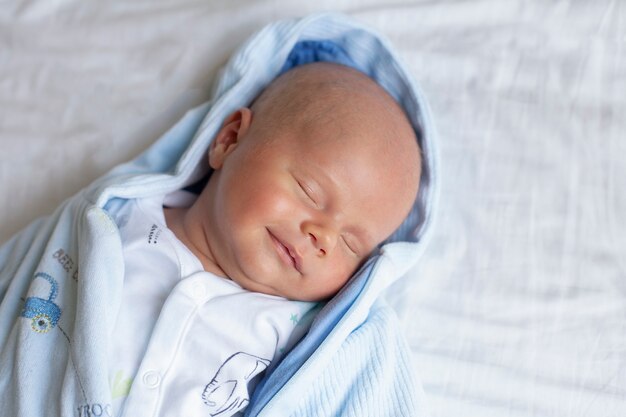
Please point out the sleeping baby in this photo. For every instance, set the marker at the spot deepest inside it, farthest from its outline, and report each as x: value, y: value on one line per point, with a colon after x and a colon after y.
x: 306, y: 183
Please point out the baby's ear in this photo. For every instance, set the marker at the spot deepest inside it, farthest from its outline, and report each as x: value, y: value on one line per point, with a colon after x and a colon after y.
x: 233, y: 129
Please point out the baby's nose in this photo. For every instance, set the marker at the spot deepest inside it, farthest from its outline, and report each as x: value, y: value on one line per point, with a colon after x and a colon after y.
x: 324, y: 239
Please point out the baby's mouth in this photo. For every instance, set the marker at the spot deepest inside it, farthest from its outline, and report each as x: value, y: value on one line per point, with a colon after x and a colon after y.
x: 286, y: 254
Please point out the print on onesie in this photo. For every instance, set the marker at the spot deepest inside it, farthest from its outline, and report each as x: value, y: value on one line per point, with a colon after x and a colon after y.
x: 228, y: 390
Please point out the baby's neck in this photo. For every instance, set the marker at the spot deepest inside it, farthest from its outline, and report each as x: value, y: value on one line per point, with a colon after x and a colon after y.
x: 175, y: 221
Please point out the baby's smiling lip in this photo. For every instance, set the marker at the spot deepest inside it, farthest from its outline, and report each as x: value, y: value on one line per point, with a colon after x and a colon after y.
x: 286, y: 252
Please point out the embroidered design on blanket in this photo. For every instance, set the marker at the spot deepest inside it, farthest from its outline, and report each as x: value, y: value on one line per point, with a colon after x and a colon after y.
x: 44, y: 313
x: 228, y: 390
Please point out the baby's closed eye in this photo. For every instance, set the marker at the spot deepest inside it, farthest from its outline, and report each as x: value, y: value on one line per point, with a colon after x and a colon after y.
x: 350, y: 244
x: 307, y: 192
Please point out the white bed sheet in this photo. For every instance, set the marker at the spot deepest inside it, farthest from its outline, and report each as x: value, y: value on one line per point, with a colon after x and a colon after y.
x: 519, y: 305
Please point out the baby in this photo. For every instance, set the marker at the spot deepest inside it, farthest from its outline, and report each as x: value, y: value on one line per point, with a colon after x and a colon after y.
x: 306, y: 183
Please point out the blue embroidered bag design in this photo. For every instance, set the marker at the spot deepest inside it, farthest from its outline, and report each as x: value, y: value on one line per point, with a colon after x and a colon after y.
x: 45, y: 314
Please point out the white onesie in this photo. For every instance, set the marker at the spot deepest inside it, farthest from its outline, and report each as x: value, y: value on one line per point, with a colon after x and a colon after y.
x: 187, y: 342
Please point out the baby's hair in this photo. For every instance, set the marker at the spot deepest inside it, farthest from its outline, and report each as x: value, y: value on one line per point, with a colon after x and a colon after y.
x: 302, y: 96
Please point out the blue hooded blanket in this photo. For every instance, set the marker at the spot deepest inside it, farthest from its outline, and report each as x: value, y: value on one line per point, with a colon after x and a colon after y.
x: 61, y: 278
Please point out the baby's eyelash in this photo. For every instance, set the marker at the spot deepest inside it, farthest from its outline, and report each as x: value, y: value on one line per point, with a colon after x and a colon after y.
x: 348, y: 245
x: 306, y: 191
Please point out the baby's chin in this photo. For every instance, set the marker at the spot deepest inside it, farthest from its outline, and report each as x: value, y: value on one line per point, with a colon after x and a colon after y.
x: 255, y: 286
x: 289, y: 294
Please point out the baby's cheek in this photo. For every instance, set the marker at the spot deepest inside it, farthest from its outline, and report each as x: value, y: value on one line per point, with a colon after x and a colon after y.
x: 276, y: 202
x: 340, y: 269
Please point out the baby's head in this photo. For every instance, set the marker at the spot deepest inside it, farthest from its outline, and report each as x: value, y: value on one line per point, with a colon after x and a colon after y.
x: 321, y: 169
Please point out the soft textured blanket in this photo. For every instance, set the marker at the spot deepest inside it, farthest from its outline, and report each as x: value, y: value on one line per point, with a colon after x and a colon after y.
x: 61, y: 278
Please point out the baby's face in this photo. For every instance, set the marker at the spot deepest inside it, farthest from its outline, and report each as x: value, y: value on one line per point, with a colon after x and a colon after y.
x: 295, y: 209
x: 306, y: 185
